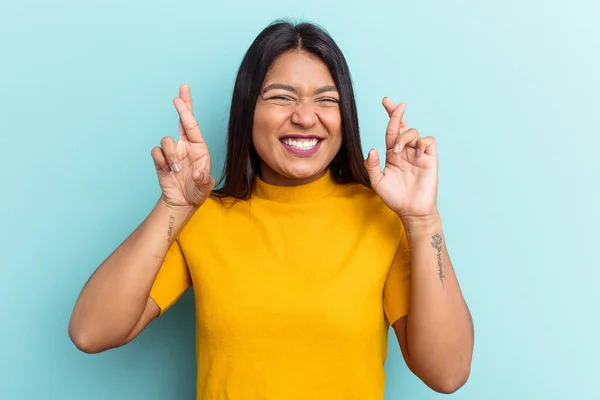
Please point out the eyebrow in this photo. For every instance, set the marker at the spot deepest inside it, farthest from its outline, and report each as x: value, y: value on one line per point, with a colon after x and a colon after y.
x: 292, y: 89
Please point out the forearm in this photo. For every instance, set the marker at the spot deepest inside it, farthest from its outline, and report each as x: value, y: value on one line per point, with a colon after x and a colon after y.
x: 439, y: 326
x: 115, y: 296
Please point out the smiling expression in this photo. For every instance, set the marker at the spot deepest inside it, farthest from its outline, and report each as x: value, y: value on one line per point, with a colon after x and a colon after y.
x: 297, y: 129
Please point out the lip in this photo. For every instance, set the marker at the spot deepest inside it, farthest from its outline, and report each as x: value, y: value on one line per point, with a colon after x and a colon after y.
x: 300, y: 136
x: 300, y: 152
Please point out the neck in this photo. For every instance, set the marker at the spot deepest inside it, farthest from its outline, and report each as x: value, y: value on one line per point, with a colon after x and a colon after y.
x: 271, y: 177
x: 293, y: 190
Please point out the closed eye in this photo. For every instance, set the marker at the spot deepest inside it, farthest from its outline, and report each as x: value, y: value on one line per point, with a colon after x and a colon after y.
x: 286, y: 98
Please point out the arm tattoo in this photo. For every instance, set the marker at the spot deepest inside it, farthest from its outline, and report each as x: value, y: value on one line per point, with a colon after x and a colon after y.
x: 437, y: 244
x: 170, y: 231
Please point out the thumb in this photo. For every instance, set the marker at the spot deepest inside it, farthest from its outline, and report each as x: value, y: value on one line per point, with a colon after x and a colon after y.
x: 204, y: 180
x: 201, y: 176
x: 373, y: 168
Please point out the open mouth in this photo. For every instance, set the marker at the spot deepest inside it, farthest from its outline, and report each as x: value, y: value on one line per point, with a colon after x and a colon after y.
x: 301, y: 143
x: 301, y: 146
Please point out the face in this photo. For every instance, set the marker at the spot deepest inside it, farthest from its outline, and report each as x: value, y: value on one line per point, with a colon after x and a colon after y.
x: 297, y: 128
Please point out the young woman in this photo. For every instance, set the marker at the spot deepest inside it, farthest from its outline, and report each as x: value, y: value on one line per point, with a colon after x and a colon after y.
x: 305, y: 255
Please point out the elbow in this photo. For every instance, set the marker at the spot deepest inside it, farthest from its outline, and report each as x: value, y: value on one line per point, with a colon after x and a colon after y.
x: 445, y: 379
x: 83, y: 344
x: 451, y: 382
x: 81, y: 339
x: 84, y: 340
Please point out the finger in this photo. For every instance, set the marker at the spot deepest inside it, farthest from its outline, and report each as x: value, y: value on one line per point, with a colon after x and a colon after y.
x: 189, y: 123
x: 181, y: 130
x: 186, y: 94
x: 197, y: 172
x: 408, y: 138
x: 389, y: 107
x: 373, y: 167
x: 403, y: 126
x: 208, y: 183
x: 427, y: 146
x: 160, y: 160
x: 391, y: 133
x: 200, y: 175
x: 169, y: 149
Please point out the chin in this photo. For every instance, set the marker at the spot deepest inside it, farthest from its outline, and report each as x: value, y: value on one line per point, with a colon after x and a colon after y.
x: 285, y: 169
x: 302, y: 171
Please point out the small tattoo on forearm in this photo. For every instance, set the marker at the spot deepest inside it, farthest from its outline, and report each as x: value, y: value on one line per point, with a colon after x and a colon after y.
x: 170, y: 231
x: 437, y: 244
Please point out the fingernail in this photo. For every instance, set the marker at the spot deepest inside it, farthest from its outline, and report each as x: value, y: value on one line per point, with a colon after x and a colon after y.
x: 176, y: 167
x: 397, y: 148
x: 200, y: 176
x: 418, y: 152
x: 167, y: 168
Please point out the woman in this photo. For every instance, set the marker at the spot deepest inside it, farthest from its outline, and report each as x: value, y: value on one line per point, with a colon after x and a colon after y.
x: 305, y: 255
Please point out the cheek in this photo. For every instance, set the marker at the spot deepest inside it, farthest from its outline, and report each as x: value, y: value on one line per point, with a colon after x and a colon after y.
x: 266, y: 126
x: 268, y: 119
x: 333, y: 123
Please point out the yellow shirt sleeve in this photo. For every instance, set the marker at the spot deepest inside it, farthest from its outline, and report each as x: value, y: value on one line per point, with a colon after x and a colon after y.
x: 396, y: 292
x: 172, y: 280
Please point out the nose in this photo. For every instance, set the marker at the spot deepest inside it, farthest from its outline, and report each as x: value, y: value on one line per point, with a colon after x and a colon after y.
x: 304, y: 115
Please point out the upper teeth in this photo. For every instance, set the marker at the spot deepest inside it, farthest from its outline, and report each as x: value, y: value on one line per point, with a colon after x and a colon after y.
x: 304, y: 144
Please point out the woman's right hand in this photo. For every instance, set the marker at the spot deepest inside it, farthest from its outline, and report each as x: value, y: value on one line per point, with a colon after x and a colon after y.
x: 184, y: 167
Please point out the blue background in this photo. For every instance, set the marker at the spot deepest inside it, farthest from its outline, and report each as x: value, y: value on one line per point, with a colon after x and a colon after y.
x: 509, y: 89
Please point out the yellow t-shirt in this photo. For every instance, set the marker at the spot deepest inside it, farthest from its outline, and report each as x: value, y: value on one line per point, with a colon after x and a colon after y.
x: 294, y: 291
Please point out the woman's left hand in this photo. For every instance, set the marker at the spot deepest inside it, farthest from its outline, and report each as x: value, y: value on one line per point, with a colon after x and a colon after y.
x: 408, y: 183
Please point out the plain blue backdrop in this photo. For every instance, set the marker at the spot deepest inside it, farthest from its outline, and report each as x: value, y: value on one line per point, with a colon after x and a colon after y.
x: 509, y: 89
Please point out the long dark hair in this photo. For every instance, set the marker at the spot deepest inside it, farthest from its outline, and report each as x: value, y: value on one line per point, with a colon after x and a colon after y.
x: 242, y: 163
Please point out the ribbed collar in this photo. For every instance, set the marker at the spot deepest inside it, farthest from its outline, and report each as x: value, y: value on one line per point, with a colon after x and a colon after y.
x: 308, y: 192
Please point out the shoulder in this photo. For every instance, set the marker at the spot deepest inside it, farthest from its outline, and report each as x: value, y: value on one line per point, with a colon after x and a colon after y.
x: 214, y: 210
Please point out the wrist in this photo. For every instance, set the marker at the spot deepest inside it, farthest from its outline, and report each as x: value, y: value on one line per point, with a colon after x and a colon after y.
x: 422, y: 225
x: 184, y: 211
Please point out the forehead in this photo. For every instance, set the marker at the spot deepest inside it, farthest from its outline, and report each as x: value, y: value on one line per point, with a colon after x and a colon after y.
x: 298, y: 68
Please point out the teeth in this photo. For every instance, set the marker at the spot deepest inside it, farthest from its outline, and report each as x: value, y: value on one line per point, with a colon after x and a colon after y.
x: 302, y: 144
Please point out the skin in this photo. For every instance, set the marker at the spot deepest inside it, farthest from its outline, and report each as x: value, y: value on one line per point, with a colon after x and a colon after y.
x: 298, y: 96
x: 436, y: 337
x: 114, y: 305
